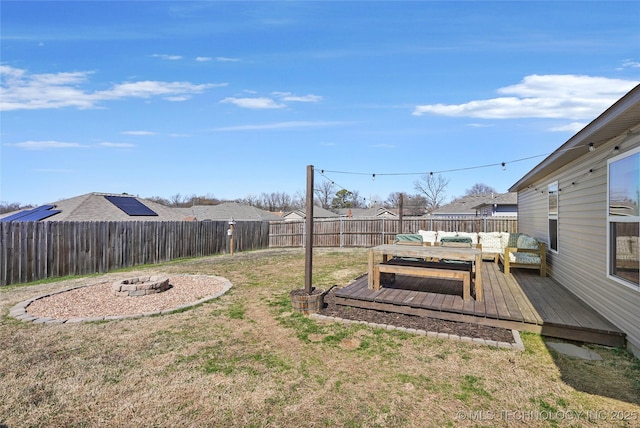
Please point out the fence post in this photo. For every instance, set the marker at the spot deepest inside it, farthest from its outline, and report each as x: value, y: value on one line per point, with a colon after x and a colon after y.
x: 341, y: 233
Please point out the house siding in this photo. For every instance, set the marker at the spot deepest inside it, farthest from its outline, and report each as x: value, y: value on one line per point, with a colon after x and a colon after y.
x: 580, y: 264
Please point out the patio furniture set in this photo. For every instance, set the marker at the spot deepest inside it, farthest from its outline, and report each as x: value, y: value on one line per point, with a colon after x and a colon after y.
x: 454, y: 255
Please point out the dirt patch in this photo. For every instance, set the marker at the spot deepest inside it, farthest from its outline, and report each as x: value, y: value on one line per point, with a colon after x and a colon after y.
x: 411, y: 321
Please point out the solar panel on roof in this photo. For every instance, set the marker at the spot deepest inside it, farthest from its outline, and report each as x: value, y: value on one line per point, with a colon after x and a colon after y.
x: 130, y: 206
x: 39, y: 215
x: 34, y: 214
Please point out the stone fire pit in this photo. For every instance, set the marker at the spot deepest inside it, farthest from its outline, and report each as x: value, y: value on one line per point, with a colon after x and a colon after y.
x: 135, y: 287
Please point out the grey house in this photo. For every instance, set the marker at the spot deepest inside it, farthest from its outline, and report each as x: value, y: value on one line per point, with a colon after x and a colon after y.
x: 504, y: 204
x: 583, y: 201
x: 499, y: 205
x: 301, y: 214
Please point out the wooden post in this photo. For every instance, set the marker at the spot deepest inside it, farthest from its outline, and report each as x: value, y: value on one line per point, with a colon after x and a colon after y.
x: 308, y: 260
x: 400, y: 209
x: 232, y: 227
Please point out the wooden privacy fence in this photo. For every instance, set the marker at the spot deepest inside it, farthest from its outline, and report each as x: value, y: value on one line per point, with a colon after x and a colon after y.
x: 344, y: 232
x: 30, y: 251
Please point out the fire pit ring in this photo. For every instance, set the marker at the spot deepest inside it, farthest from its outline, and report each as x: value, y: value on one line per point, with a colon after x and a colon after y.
x: 140, y: 286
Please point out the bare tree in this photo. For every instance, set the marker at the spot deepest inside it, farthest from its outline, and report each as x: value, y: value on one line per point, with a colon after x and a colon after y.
x: 412, y: 204
x: 275, y: 201
x: 324, y: 192
x: 356, y: 200
x: 7, y: 207
x: 480, y: 189
x: 251, y: 200
x: 393, y: 200
x: 299, y: 199
x: 178, y: 200
x: 433, y: 189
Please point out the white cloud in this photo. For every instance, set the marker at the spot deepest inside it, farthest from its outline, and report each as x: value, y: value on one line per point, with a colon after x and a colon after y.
x: 225, y: 59
x: 20, y: 90
x: 281, y: 125
x: 271, y: 103
x: 116, y: 145
x: 479, y: 125
x: 149, y: 88
x: 288, y: 96
x: 571, y: 97
x: 629, y: 63
x: 46, y: 145
x: 139, y: 133
x: 572, y: 127
x: 167, y: 57
x: 254, y: 103
x: 203, y: 58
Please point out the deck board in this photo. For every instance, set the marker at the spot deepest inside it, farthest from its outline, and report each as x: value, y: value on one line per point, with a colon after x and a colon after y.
x: 521, y: 300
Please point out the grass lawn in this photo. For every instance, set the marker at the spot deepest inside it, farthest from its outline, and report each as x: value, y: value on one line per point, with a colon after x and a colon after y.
x: 244, y: 360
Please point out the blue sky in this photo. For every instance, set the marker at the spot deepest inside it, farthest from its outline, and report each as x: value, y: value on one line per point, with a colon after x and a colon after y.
x: 231, y: 99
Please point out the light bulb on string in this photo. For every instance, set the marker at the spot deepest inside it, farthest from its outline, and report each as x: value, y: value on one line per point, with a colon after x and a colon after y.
x: 504, y: 166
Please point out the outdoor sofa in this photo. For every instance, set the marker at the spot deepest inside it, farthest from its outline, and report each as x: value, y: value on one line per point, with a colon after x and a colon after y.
x: 513, y: 250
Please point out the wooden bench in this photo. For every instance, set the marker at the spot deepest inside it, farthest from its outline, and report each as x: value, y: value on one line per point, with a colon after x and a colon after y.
x: 427, y: 269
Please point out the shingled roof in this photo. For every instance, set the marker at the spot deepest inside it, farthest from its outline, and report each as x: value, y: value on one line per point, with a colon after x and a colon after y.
x: 469, y: 205
x: 227, y: 211
x: 97, y: 207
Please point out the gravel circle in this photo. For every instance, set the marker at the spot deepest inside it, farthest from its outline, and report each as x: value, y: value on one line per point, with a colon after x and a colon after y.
x: 98, y: 300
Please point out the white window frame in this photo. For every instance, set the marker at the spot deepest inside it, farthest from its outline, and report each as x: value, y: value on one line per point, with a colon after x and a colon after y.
x: 618, y: 219
x: 553, y: 187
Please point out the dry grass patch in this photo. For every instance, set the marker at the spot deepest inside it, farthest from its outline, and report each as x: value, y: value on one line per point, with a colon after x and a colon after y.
x: 245, y: 359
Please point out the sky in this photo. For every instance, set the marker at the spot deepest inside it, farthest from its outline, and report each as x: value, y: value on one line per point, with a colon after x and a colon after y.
x: 236, y: 99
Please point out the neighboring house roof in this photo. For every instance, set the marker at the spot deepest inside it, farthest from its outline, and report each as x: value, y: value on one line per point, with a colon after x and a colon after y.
x: 366, y: 212
x: 616, y: 120
x: 464, y: 206
x: 318, y: 212
x: 509, y: 198
x: 227, y: 211
x: 98, y: 207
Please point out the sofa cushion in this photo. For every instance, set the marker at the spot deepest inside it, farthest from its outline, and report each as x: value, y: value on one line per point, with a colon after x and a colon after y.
x: 513, y: 239
x: 472, y: 235
x: 428, y: 236
x: 408, y: 237
x: 524, y: 258
x: 527, y: 242
x: 492, y: 241
x: 443, y: 234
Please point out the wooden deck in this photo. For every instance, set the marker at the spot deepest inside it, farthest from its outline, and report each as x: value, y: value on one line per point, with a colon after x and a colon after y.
x: 521, y: 301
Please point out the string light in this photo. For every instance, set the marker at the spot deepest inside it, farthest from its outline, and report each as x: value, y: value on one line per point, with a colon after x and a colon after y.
x: 591, y: 147
x: 431, y: 173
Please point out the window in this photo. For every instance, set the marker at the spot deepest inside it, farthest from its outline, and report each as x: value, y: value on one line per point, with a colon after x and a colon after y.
x: 553, y: 216
x: 623, y: 217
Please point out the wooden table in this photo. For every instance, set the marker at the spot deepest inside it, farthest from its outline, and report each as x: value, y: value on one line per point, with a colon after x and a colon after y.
x: 387, y: 251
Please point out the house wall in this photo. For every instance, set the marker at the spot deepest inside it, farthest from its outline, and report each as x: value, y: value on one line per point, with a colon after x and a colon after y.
x: 580, y: 264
